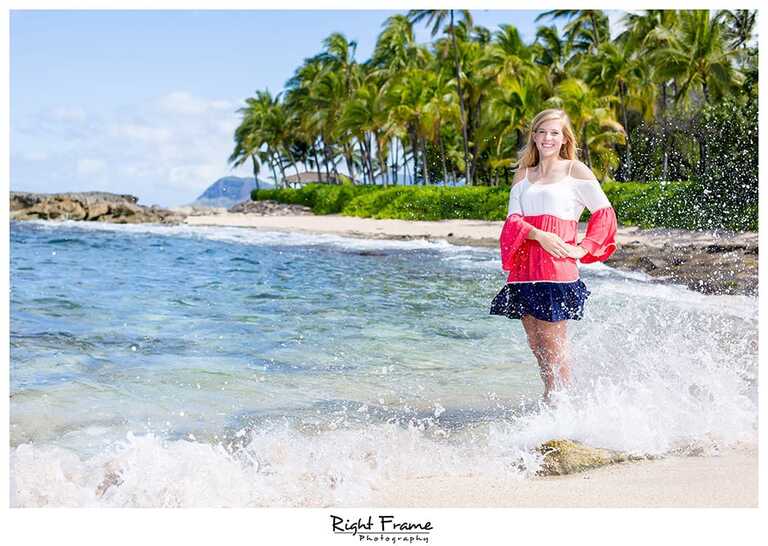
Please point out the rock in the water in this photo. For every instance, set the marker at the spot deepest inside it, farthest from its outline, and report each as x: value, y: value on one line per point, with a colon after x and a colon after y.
x: 568, y: 456
x: 90, y: 206
x: 270, y: 208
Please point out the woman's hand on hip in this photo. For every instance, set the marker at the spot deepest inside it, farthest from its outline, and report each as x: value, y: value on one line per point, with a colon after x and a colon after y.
x: 575, y: 251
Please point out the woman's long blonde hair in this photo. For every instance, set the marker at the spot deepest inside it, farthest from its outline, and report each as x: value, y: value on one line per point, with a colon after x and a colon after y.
x: 529, y: 155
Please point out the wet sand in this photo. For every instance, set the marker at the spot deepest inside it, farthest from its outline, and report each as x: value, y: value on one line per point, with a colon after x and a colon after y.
x: 727, y: 480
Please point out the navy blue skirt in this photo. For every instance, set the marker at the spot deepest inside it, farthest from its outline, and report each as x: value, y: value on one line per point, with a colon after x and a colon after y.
x: 550, y: 301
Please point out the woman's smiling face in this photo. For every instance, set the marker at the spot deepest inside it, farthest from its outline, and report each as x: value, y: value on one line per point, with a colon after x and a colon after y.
x: 549, y: 137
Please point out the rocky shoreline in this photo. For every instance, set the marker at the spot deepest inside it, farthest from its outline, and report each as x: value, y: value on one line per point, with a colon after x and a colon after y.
x: 714, y: 262
x: 710, y: 262
x: 92, y: 206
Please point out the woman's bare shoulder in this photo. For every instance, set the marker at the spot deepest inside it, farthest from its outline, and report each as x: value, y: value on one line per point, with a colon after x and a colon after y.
x: 580, y: 171
x: 519, y: 175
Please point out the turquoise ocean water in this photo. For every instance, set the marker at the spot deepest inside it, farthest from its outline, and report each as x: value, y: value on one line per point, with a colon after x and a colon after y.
x: 207, y: 366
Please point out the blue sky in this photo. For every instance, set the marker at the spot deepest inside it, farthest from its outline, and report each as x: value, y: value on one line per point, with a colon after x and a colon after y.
x: 144, y: 102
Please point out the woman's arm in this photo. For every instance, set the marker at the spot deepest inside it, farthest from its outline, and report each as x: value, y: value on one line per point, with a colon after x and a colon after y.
x: 599, y: 243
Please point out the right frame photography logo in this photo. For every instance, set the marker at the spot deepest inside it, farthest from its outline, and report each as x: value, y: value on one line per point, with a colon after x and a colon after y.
x: 382, y: 528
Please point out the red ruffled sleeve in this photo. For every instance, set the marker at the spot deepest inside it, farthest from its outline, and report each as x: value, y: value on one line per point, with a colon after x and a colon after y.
x: 513, y: 234
x: 599, y: 241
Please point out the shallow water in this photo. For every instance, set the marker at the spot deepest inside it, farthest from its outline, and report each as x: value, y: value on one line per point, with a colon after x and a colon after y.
x: 203, y: 366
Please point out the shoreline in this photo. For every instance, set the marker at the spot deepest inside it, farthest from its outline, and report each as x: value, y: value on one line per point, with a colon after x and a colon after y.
x: 729, y: 479
x: 711, y: 262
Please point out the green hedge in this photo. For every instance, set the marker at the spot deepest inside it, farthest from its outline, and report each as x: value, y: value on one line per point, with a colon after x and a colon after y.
x: 646, y: 205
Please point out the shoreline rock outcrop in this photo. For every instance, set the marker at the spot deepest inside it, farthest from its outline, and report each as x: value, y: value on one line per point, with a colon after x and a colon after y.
x: 270, y: 208
x: 711, y: 262
x: 563, y: 457
x: 90, y: 206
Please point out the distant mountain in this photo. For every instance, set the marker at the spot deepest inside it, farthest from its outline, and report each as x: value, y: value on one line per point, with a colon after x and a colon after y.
x: 229, y: 191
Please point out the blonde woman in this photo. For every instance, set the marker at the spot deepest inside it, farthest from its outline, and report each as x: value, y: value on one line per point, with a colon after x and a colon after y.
x: 549, y: 192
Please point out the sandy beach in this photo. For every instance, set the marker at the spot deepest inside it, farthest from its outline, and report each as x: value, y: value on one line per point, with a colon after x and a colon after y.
x: 727, y: 480
x: 472, y: 232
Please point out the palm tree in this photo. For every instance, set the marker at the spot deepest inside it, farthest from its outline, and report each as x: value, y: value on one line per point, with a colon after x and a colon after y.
x: 437, y: 18
x: 587, y: 30
x: 512, y: 106
x: 440, y: 112
x: 695, y: 54
x: 299, y: 101
x: 647, y: 32
x: 253, y: 134
x: 592, y: 116
x: 615, y: 69
x: 408, y: 102
x: 361, y: 117
x: 245, y: 149
x: 739, y: 26
x: 395, y: 51
x: 739, y: 32
x: 552, y: 52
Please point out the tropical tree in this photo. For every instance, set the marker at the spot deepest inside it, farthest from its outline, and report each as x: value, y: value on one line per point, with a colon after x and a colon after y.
x: 437, y: 18
x: 616, y: 69
x: 593, y: 121
x: 585, y: 30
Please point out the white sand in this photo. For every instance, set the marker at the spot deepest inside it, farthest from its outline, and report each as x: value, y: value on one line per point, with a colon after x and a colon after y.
x: 727, y: 480
x: 478, y: 232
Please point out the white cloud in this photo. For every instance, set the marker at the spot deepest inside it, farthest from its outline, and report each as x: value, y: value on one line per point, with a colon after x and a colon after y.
x: 68, y: 113
x: 140, y: 132
x: 89, y: 167
x: 166, y: 150
x: 181, y: 102
x: 194, y: 176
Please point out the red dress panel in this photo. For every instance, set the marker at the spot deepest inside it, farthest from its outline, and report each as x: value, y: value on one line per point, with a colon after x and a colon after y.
x: 556, y: 208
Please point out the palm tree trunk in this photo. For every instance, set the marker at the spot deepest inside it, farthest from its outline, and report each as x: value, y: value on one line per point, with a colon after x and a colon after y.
x: 317, y: 160
x: 397, y: 149
x: 475, y: 119
x: 255, y: 174
x: 281, y: 166
x: 335, y: 171
x: 380, y: 147
x: 414, y: 152
x: 424, y: 166
x: 272, y: 168
x: 413, y: 169
x: 325, y: 161
x: 349, y: 160
x: 442, y: 156
x: 369, y: 156
x: 461, y: 103
x: 362, y: 155
x: 587, y: 158
x: 293, y: 162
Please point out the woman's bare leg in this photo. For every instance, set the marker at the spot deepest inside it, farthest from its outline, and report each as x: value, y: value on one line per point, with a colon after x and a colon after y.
x: 553, y: 344
x: 531, y: 325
